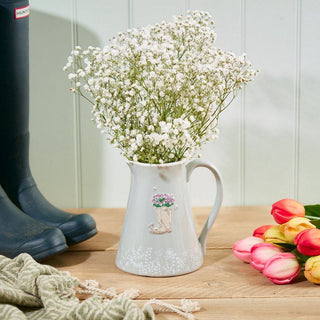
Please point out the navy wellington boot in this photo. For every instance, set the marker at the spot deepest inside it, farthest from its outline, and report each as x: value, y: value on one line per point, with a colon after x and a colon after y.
x: 19, y: 233
x: 15, y: 175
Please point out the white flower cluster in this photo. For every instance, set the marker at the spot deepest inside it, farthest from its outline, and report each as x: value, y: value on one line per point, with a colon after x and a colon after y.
x: 157, y: 92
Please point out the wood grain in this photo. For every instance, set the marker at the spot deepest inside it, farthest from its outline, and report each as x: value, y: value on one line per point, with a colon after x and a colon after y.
x: 251, y: 309
x: 232, y: 224
x: 225, y: 287
x: 221, y: 276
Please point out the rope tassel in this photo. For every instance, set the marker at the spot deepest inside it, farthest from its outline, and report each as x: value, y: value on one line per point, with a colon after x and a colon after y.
x: 185, y: 310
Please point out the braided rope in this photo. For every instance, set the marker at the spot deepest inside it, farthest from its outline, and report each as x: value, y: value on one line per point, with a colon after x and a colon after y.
x: 187, y: 306
x: 92, y: 287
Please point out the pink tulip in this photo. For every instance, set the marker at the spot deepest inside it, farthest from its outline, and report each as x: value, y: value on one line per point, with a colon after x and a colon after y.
x: 261, y: 230
x: 261, y: 252
x: 308, y: 242
x: 286, y: 209
x: 242, y: 248
x: 282, y: 268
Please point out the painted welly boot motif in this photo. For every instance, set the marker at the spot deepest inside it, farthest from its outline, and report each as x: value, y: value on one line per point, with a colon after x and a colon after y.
x: 163, y: 204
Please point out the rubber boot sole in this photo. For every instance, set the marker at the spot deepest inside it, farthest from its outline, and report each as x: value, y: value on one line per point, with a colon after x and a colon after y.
x: 51, y: 252
x: 81, y: 237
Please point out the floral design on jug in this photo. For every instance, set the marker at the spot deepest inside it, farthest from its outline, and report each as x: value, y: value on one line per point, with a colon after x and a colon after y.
x: 163, y: 203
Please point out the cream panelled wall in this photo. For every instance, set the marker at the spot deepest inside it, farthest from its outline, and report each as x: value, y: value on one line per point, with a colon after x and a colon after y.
x: 269, y: 146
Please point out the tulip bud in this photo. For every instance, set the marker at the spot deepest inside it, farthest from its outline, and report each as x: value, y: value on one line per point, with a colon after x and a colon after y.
x: 286, y: 209
x: 261, y: 252
x: 273, y: 235
x: 242, y: 248
x: 312, y: 269
x: 291, y: 228
x: 261, y: 230
x: 308, y: 242
x: 282, y: 268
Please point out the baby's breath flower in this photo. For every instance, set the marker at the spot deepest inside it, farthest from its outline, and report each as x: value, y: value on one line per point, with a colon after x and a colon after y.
x: 157, y: 92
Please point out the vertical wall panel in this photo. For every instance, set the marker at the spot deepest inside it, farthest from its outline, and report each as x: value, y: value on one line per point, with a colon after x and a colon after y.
x: 270, y: 104
x: 145, y: 12
x: 105, y: 177
x: 309, y: 178
x: 51, y: 114
x: 277, y: 116
x: 225, y: 152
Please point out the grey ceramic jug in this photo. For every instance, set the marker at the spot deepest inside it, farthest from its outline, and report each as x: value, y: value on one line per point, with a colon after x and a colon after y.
x: 159, y: 237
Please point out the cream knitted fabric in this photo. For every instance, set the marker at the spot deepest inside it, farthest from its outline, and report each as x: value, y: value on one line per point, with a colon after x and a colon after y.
x: 29, y: 290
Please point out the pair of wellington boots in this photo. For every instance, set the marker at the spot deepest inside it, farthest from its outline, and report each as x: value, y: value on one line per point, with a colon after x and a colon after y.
x: 28, y: 222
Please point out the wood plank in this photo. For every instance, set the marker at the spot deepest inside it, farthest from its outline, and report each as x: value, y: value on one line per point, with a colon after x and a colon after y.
x: 225, y: 287
x: 109, y: 224
x: 242, y: 221
x: 221, y: 276
x: 233, y: 223
x: 251, y: 309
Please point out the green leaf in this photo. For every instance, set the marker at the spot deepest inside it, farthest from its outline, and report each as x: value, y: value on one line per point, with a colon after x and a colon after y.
x: 316, y: 223
x: 286, y: 246
x: 313, y: 211
x: 301, y: 257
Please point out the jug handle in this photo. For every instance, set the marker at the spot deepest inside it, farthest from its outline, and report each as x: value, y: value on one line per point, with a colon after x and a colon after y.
x: 193, y: 164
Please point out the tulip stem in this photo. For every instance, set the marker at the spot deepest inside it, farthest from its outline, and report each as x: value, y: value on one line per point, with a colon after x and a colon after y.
x: 312, y: 217
x: 302, y: 258
x: 315, y: 221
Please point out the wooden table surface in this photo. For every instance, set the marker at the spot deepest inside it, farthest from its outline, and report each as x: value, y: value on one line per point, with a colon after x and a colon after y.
x: 225, y: 287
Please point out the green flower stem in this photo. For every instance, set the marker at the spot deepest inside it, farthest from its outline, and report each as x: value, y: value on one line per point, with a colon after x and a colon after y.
x: 312, y: 217
x: 300, y: 257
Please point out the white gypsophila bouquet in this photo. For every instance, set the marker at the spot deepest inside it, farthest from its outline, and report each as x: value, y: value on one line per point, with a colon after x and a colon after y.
x: 157, y: 92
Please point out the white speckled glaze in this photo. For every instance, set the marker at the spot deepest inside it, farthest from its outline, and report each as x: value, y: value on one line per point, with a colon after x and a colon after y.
x: 161, y: 240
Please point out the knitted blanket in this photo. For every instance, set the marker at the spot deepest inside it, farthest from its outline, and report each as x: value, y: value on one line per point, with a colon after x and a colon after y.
x: 29, y: 290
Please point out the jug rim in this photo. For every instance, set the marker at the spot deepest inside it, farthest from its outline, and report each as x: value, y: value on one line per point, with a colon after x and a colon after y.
x: 168, y: 164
